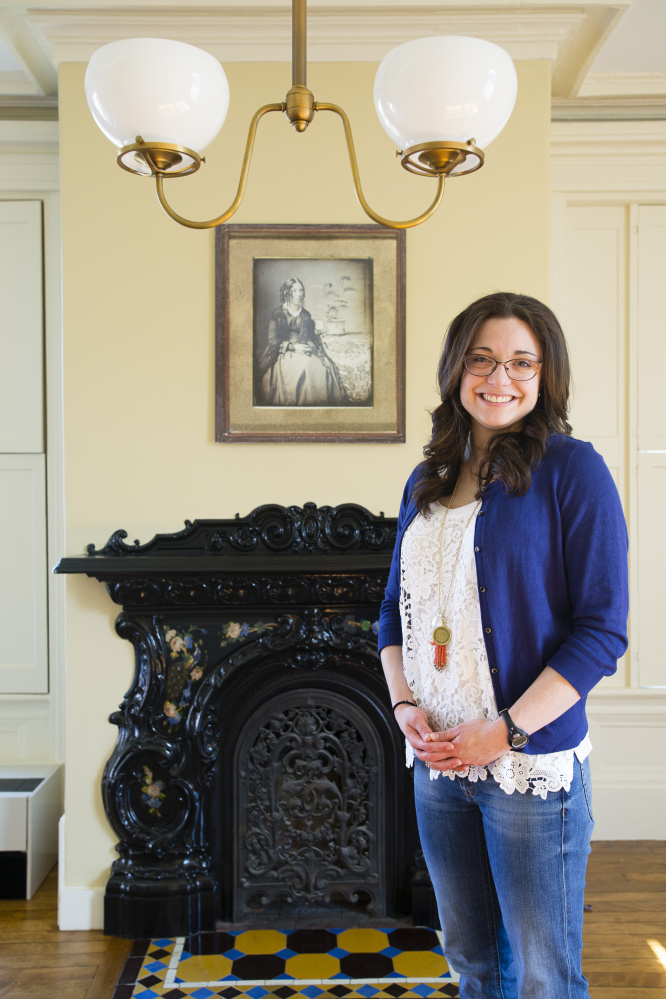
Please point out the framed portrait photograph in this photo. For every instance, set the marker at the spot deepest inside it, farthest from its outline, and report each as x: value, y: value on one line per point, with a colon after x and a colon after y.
x: 309, y: 333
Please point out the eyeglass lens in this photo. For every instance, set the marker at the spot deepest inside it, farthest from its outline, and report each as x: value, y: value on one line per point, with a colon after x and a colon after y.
x: 520, y: 368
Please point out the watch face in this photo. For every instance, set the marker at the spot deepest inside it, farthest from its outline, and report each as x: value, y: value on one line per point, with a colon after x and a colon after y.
x: 518, y: 741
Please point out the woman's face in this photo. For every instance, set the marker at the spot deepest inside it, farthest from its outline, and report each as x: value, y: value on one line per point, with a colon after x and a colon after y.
x: 297, y: 293
x: 495, y: 402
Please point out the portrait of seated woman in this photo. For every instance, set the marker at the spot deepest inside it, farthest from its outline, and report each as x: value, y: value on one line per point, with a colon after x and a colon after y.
x: 294, y: 368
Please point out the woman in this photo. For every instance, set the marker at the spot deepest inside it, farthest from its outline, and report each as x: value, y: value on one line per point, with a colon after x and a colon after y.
x: 506, y: 603
x: 295, y: 369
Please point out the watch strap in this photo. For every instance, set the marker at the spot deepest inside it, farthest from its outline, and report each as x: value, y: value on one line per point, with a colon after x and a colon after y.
x: 518, y: 737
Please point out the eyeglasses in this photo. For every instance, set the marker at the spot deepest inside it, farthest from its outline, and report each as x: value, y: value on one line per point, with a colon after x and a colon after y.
x: 519, y: 369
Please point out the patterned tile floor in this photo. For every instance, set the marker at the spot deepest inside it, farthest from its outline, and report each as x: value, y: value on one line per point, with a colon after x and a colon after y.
x: 396, y: 963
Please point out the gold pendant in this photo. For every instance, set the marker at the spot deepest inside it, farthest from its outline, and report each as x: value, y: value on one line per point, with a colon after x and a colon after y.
x: 441, y: 635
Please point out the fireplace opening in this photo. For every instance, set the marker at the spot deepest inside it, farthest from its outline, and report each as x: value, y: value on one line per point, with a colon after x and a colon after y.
x: 310, y: 799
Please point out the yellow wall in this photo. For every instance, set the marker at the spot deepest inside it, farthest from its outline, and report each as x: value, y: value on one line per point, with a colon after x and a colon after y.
x: 138, y: 345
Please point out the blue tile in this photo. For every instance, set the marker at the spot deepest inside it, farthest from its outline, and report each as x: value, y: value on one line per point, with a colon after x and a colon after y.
x: 165, y: 942
x: 286, y: 953
x: 155, y: 966
x: 368, y: 991
x: 340, y: 974
x: 258, y: 992
x: 423, y: 990
x: 312, y: 991
x: 233, y: 954
x: 395, y: 974
x: 148, y: 994
x: 390, y: 951
x: 338, y: 952
x: 201, y: 994
x: 285, y: 977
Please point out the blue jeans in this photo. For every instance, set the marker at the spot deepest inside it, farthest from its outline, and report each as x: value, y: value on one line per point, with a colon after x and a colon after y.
x: 509, y: 876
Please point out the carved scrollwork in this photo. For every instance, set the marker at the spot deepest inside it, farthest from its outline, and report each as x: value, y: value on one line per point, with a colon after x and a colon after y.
x: 305, y: 529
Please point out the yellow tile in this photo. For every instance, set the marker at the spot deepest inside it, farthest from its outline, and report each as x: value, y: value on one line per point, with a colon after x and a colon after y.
x: 415, y: 963
x: 363, y: 941
x: 312, y: 966
x: 204, y: 968
x: 261, y: 942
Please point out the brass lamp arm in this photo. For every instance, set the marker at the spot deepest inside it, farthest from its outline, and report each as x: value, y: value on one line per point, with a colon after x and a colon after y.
x: 322, y: 106
x: 235, y: 205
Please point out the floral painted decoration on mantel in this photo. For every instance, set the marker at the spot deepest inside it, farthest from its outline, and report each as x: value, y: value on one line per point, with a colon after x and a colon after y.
x: 153, y: 792
x: 186, y: 668
x: 234, y: 631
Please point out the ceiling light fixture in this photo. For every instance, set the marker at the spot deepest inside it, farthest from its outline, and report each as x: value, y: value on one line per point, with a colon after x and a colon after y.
x: 442, y: 100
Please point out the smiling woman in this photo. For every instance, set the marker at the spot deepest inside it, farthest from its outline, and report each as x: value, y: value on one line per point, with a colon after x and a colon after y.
x: 506, y: 604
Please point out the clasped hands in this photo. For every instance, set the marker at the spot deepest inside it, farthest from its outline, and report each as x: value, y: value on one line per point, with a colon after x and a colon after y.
x: 470, y: 744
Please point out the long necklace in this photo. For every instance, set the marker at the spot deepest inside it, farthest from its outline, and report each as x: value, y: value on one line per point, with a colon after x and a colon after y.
x: 441, y: 633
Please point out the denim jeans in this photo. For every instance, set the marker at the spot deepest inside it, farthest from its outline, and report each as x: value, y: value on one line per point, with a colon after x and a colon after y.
x: 509, y: 875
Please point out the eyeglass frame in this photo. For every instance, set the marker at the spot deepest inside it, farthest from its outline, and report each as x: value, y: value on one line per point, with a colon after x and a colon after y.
x: 539, y: 364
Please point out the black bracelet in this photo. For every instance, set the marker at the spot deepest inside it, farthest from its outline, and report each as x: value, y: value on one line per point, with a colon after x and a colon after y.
x: 397, y: 703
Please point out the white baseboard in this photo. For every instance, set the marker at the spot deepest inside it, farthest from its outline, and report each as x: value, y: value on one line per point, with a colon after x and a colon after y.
x: 81, y: 909
x: 78, y: 908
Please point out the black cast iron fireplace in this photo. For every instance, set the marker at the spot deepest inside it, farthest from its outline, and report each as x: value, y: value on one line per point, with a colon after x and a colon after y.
x: 258, y: 775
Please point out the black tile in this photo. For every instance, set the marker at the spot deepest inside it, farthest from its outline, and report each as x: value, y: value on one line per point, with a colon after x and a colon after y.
x: 123, y: 991
x: 284, y: 993
x: 230, y: 993
x: 366, y: 965
x: 131, y: 970
x: 395, y: 990
x: 174, y: 994
x: 311, y: 941
x: 258, y: 966
x: 340, y: 990
x: 157, y: 955
x: 209, y: 943
x: 413, y: 938
x: 140, y: 948
x: 150, y: 980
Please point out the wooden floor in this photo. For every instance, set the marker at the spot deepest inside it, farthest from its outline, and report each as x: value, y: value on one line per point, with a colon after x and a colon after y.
x: 626, y: 887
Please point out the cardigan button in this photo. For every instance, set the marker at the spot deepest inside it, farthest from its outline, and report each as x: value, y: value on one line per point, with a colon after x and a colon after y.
x: 488, y: 631
x: 494, y: 670
x: 482, y: 589
x: 477, y: 549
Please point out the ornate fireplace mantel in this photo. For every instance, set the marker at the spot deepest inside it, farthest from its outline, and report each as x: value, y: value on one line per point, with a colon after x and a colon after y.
x: 257, y: 765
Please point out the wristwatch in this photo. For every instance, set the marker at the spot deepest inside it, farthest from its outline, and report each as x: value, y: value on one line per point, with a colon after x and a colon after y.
x: 517, y: 737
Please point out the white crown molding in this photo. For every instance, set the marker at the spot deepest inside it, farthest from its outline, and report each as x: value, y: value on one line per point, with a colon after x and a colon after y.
x: 566, y: 33
x: 624, y: 85
x: 620, y: 161
x: 28, y: 137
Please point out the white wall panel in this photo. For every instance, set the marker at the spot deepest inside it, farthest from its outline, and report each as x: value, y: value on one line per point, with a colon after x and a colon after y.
x: 591, y: 302
x: 651, y: 542
x: 21, y: 327
x: 23, y: 580
x: 651, y: 327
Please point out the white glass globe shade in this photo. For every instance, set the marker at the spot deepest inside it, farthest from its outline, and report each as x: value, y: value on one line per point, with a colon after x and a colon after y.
x: 447, y: 88
x: 162, y: 90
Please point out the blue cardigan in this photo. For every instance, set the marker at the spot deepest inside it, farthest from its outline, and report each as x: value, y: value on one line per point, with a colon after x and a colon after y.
x: 552, y: 574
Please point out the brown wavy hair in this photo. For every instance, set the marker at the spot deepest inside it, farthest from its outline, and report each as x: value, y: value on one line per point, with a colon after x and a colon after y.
x: 512, y: 455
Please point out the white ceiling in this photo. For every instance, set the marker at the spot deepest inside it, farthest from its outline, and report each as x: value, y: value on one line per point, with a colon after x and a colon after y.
x: 598, y: 48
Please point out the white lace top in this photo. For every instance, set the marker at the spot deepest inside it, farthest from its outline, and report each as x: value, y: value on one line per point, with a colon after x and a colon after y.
x: 463, y: 690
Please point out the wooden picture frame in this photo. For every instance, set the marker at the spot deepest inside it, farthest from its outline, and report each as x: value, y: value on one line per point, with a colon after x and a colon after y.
x: 309, y: 333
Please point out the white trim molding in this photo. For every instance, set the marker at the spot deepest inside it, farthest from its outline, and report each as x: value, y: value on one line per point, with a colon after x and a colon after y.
x: 602, y: 158
x: 78, y: 908
x: 567, y: 33
x: 624, y: 85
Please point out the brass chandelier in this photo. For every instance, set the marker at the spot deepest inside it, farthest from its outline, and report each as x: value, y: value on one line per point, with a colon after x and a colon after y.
x: 442, y: 100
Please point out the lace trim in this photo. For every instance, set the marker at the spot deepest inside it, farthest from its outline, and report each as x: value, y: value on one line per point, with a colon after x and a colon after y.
x: 463, y: 691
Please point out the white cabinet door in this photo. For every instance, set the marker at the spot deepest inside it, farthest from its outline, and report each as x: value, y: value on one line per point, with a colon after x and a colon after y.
x: 23, y: 576
x: 21, y: 327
